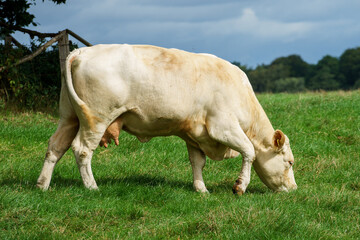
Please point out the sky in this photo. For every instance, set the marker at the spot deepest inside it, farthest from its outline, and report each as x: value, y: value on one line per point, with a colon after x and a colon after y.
x: 252, y: 32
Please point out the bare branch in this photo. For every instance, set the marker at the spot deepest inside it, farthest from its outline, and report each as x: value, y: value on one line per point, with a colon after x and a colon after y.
x: 37, y: 52
x: 32, y: 33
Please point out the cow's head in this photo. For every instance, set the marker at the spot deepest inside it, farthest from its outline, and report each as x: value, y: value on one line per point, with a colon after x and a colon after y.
x: 274, y: 164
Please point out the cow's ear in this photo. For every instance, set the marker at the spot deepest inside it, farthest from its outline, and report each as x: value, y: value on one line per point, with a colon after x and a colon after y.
x: 278, y: 139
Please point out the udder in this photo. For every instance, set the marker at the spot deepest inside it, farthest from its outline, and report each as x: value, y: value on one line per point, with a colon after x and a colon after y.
x: 112, y: 133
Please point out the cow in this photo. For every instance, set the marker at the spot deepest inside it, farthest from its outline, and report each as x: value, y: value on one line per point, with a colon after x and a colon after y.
x: 150, y: 91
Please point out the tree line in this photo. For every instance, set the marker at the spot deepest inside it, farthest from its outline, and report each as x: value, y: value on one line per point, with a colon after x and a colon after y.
x: 293, y: 74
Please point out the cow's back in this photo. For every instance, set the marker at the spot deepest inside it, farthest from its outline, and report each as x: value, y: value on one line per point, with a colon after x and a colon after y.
x: 160, y: 83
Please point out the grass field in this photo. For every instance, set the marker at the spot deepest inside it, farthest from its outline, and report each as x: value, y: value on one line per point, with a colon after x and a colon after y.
x: 146, y: 189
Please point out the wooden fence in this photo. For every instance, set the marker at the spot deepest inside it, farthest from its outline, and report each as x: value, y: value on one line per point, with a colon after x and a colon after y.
x: 61, y: 37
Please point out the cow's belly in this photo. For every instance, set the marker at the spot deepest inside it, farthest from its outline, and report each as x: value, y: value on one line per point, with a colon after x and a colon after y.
x: 143, y: 126
x: 194, y: 133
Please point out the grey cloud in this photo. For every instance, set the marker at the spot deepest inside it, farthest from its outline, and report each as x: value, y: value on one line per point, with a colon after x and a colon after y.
x: 250, y: 31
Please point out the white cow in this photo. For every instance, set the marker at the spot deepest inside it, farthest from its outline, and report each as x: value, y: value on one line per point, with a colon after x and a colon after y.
x: 150, y: 91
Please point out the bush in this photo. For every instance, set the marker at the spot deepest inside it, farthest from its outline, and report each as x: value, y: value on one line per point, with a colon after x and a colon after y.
x: 289, y: 85
x: 357, y: 84
x: 34, y: 84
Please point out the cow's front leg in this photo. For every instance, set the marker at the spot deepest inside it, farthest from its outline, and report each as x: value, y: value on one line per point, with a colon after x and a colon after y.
x: 197, y: 160
x: 244, y: 178
x: 230, y: 134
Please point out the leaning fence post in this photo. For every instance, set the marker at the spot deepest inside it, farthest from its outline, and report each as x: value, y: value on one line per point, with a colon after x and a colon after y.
x: 63, y: 50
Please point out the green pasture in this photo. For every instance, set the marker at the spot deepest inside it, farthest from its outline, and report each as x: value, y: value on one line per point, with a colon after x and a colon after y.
x: 145, y: 190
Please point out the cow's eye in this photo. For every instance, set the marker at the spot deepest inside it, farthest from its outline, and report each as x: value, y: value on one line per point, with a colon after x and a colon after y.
x: 291, y: 162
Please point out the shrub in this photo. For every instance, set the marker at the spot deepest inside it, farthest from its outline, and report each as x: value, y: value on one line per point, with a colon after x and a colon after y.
x: 291, y: 84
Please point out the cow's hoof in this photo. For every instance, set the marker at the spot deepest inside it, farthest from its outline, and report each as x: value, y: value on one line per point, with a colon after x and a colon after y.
x: 93, y: 188
x: 42, y: 187
x: 199, y: 186
x: 41, y: 184
x: 203, y: 191
x: 237, y: 190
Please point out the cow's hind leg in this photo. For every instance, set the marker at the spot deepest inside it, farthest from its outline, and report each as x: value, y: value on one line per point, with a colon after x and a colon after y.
x: 59, y: 143
x: 230, y: 134
x: 197, y: 160
x: 83, y: 147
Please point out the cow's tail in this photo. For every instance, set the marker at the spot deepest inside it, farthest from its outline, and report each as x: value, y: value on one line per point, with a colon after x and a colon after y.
x: 80, y: 107
x: 69, y: 81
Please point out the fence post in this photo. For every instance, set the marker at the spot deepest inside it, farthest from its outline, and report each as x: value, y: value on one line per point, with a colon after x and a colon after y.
x: 64, y: 50
x: 7, y: 45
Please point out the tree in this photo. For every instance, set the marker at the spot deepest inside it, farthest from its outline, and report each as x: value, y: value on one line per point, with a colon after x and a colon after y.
x: 258, y: 79
x: 264, y: 77
x: 295, y: 64
x: 289, y: 85
x: 349, y: 66
x: 34, y: 81
x: 324, y: 79
x: 15, y: 14
x: 326, y: 75
x: 331, y: 62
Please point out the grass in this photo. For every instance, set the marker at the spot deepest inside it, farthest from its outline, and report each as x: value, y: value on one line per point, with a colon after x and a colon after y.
x: 146, y: 189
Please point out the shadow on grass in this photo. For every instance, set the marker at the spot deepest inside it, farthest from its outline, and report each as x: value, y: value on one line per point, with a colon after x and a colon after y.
x: 133, y: 181
x: 226, y: 187
x: 146, y: 180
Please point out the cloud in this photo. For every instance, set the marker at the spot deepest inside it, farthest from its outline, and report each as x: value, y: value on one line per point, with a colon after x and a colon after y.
x: 256, y: 31
x: 249, y: 24
x: 167, y: 22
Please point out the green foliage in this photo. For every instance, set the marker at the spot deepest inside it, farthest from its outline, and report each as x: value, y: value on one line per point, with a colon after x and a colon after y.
x: 10, y: 78
x: 291, y: 84
x: 330, y: 73
x: 327, y: 75
x: 350, y: 66
x: 34, y: 84
x: 15, y: 13
x: 264, y: 77
x: 324, y: 80
x: 146, y: 189
x: 297, y: 67
x: 357, y: 84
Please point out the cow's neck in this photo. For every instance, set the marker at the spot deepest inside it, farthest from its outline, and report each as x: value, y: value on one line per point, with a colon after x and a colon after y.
x: 260, y: 131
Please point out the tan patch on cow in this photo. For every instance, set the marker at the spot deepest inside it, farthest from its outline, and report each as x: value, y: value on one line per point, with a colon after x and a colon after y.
x: 167, y: 59
x: 75, y: 63
x: 90, y: 118
x: 72, y: 59
x: 221, y: 71
x: 211, y: 66
x: 186, y: 125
